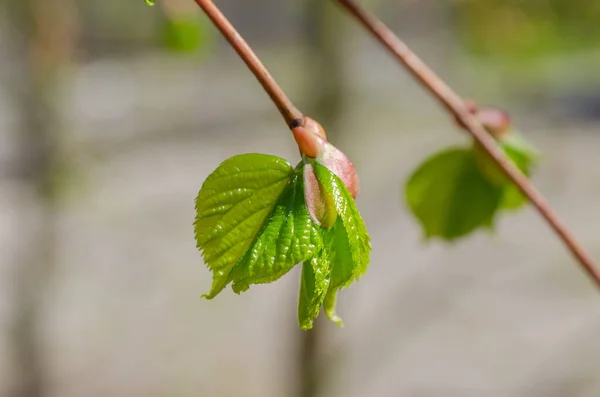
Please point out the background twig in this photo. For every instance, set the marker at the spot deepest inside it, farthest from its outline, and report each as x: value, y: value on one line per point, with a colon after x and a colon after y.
x: 456, y: 106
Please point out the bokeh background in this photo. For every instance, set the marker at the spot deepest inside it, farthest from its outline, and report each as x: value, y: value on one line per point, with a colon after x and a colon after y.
x: 112, y: 113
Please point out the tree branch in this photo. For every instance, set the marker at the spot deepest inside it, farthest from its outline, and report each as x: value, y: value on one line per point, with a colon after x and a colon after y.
x: 457, y: 107
x: 292, y: 116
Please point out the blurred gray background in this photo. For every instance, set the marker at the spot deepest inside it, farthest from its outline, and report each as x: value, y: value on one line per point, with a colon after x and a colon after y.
x: 113, y: 113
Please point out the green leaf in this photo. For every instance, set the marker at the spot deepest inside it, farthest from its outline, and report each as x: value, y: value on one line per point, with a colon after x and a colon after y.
x: 340, y: 252
x: 314, y: 283
x: 233, y: 205
x: 187, y: 33
x: 288, y: 237
x: 350, y: 232
x: 522, y: 155
x: 525, y: 157
x: 253, y: 225
x: 459, y: 190
x: 347, y: 243
x: 450, y: 196
x: 329, y: 306
x: 344, y: 269
x: 520, y: 150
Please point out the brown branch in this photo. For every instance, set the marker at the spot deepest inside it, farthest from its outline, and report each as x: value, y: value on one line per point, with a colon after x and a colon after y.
x: 457, y: 107
x: 292, y: 116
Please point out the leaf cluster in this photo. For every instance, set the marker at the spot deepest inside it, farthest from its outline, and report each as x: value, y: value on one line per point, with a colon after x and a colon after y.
x: 253, y: 226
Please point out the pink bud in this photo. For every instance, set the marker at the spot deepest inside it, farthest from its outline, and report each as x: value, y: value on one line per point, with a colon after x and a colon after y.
x: 496, y: 122
x: 312, y: 142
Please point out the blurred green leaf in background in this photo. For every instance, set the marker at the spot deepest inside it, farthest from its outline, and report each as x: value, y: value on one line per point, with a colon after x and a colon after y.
x: 459, y: 190
x: 186, y: 29
x: 528, y: 29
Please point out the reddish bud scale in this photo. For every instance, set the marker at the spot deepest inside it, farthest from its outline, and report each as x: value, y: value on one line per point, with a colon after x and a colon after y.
x: 307, y: 137
x: 495, y: 121
x: 320, y: 205
x: 338, y: 163
x: 312, y: 142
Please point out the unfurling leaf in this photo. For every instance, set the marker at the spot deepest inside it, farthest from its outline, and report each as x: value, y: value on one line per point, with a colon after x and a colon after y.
x: 347, y: 244
x: 253, y: 225
x: 458, y: 191
x: 320, y: 205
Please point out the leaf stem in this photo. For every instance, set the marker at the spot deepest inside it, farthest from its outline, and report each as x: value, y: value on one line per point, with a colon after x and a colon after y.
x: 292, y: 116
x: 457, y: 107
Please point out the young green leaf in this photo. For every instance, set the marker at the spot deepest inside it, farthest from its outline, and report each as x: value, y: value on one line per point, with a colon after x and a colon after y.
x: 349, y: 235
x: 344, y: 268
x: 460, y: 190
x: 347, y: 243
x: 233, y: 205
x: 450, y: 196
x: 314, y: 283
x: 253, y: 225
x: 329, y: 307
x: 287, y: 237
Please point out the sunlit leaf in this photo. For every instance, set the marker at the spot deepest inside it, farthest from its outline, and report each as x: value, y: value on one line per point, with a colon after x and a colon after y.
x: 253, y: 225
x: 287, y: 237
x: 349, y: 234
x: 314, y: 283
x: 329, y: 306
x: 347, y: 243
x: 232, y: 207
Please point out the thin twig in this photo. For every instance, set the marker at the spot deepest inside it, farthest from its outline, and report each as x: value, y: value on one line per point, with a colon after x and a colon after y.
x: 456, y: 106
x: 292, y: 116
